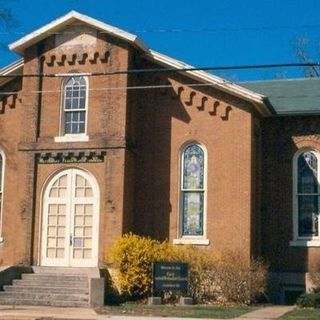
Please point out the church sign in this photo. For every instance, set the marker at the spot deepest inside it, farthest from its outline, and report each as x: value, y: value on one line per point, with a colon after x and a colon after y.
x: 170, y: 276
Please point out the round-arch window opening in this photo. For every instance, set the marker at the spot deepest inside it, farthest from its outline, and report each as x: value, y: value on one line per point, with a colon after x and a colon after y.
x: 193, y: 189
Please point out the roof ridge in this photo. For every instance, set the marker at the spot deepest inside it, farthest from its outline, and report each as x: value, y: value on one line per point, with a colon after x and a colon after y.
x: 227, y: 86
x: 40, y: 33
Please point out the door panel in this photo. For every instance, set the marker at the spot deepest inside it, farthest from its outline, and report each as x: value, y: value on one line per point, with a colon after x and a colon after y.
x: 70, y: 220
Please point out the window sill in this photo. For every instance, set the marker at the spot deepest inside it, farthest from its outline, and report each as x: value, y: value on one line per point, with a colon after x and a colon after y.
x: 195, y: 241
x: 72, y: 138
x: 304, y: 243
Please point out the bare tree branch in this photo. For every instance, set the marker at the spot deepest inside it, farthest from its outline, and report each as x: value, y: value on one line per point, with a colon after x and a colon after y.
x: 7, y: 21
x: 301, y: 51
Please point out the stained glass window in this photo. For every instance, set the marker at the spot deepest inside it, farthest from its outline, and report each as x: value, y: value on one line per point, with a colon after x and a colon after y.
x: 1, y: 183
x: 308, y: 194
x: 75, y: 104
x: 192, y: 190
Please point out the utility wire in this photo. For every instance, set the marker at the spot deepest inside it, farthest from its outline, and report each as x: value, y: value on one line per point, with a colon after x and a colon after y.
x: 165, y: 86
x: 112, y: 88
x: 184, y: 30
x: 161, y: 70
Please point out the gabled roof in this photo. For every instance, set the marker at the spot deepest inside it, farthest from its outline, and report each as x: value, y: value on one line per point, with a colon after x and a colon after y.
x: 259, y: 100
x: 290, y: 96
x: 217, y: 82
x: 66, y: 20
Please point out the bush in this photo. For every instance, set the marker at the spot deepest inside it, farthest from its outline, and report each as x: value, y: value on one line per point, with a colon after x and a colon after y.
x: 315, y: 279
x: 239, y: 282
x: 309, y: 300
x: 213, y: 277
x: 132, y: 256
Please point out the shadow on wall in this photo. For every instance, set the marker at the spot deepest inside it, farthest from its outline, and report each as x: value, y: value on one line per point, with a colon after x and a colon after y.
x: 155, y: 110
x: 282, y: 138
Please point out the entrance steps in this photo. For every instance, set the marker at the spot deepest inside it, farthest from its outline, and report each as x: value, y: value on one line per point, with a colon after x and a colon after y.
x: 60, y: 287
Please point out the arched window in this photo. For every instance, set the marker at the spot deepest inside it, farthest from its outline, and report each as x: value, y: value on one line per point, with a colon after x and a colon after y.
x: 74, y: 106
x: 1, y: 186
x: 192, y: 190
x: 306, y: 195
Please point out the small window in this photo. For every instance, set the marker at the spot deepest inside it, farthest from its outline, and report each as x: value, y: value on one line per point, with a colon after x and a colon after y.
x: 192, y: 190
x: 74, y: 106
x: 306, y: 194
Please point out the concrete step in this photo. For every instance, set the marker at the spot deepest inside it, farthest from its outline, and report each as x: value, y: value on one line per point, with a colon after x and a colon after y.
x: 53, y: 277
x: 55, y: 303
x: 43, y: 296
x: 91, y: 272
x: 22, y: 288
x: 47, y: 287
x: 46, y: 283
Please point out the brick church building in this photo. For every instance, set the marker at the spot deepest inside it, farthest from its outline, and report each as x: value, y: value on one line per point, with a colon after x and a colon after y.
x: 98, y: 138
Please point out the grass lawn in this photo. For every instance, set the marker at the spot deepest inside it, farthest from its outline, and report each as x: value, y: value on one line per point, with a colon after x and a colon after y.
x: 302, y: 314
x: 136, y: 309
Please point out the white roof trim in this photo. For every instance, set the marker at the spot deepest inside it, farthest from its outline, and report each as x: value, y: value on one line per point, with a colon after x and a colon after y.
x: 217, y: 82
x: 12, y: 68
x: 58, y: 24
x: 70, y: 17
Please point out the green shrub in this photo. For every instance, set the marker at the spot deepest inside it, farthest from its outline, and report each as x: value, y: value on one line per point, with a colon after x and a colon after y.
x: 212, y: 277
x: 309, y: 300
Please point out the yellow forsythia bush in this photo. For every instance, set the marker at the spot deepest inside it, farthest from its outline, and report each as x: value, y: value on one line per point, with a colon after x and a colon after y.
x: 212, y: 277
x: 132, y: 256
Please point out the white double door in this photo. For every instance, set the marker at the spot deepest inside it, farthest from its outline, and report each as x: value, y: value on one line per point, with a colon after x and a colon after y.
x: 70, y: 220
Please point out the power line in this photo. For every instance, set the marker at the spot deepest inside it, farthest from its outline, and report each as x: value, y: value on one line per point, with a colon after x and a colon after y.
x: 113, y: 88
x: 161, y: 70
x: 183, y: 30
x: 146, y: 87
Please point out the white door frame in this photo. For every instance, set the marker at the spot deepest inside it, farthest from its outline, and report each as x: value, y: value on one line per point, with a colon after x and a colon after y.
x: 69, y: 202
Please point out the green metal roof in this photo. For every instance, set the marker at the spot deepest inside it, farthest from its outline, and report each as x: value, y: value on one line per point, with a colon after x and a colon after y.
x: 294, y: 96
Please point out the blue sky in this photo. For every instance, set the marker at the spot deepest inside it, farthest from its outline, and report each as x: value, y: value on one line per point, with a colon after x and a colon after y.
x: 202, y: 33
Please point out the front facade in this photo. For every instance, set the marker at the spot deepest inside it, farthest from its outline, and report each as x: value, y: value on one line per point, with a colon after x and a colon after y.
x: 92, y: 148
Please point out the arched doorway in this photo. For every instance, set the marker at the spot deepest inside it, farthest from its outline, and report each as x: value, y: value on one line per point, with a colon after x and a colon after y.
x: 70, y: 220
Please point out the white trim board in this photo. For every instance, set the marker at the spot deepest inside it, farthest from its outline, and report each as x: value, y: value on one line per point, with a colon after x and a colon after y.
x: 13, y: 68
x: 58, y: 24
x: 19, y: 46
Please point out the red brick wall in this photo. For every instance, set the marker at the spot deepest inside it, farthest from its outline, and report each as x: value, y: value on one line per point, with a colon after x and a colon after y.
x: 14, y: 224
x: 282, y: 137
x: 29, y: 129
x: 142, y: 133
x: 166, y: 121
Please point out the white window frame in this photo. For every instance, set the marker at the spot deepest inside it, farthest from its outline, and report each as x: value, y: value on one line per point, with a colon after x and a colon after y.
x: 298, y: 241
x: 2, y: 192
x: 72, y: 137
x: 192, y: 239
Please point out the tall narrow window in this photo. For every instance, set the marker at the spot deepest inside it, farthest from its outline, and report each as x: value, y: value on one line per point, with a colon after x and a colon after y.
x: 1, y: 186
x: 307, y: 194
x: 74, y: 106
x: 192, y: 190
